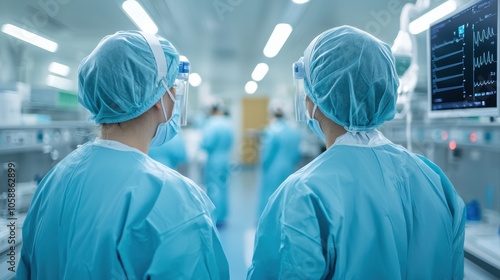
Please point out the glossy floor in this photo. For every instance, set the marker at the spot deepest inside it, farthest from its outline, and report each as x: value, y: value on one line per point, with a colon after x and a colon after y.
x: 238, y: 233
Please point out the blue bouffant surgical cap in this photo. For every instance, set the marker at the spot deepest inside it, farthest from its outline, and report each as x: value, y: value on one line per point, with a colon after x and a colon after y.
x: 119, y: 80
x: 351, y: 76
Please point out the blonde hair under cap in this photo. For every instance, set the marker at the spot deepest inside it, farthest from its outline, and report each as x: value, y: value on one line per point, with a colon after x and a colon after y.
x: 125, y: 75
x: 352, y: 78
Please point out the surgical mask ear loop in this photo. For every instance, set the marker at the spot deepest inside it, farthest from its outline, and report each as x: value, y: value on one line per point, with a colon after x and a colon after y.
x: 171, y: 98
x: 314, y: 111
x: 311, y: 116
x: 163, y: 109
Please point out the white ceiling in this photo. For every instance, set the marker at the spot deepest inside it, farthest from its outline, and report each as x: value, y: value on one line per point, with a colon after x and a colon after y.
x: 223, y: 39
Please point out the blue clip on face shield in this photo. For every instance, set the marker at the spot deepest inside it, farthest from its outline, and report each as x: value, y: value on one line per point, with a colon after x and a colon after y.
x: 300, y: 93
x: 182, y: 89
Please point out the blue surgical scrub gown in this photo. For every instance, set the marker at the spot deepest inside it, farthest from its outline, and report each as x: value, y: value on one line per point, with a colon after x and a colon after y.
x: 363, y: 209
x: 280, y: 154
x: 217, y: 141
x: 108, y: 211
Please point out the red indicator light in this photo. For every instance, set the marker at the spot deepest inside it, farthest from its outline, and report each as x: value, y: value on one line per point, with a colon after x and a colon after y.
x: 473, y: 137
x: 452, y: 145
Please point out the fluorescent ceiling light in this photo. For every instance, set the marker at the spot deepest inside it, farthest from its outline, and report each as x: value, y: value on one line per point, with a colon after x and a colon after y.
x: 422, y: 23
x: 29, y: 37
x: 260, y: 71
x: 300, y: 1
x: 251, y: 87
x: 194, y: 79
x: 277, y: 40
x: 139, y: 16
x: 58, y: 82
x: 59, y: 69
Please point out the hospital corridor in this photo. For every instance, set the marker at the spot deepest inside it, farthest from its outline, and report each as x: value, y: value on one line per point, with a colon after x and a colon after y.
x: 249, y: 139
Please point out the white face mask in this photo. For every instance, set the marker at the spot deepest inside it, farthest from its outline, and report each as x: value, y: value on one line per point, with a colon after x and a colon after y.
x: 166, y: 130
x: 314, y: 124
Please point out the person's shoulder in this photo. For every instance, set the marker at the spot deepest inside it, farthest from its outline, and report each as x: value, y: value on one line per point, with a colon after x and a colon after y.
x: 272, y: 129
x: 302, y: 186
x: 171, y: 203
x: 79, y: 152
x: 423, y: 161
x: 426, y: 160
x: 324, y: 168
x: 171, y: 177
x: 72, y: 160
x: 302, y: 178
x: 164, y: 173
x: 174, y: 184
x: 414, y: 158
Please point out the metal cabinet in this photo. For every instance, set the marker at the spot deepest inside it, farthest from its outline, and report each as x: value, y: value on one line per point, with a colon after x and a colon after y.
x: 32, y: 150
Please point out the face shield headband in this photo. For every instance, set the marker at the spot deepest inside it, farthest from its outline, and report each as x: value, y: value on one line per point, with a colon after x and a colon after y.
x: 181, y: 83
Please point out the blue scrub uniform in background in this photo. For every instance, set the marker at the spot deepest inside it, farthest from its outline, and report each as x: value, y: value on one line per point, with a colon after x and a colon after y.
x: 217, y: 141
x: 364, y: 209
x: 280, y: 154
x: 108, y: 211
x: 172, y: 153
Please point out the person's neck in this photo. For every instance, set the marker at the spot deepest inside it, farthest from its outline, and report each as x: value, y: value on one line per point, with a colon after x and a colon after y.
x: 133, y: 134
x: 331, y: 130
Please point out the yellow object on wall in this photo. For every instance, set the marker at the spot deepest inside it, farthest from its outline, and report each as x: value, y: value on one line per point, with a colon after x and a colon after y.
x: 254, y: 120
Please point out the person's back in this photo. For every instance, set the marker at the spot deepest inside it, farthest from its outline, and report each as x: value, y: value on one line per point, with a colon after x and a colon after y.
x: 365, y: 208
x: 75, y: 226
x: 394, y: 223
x: 107, y: 210
x: 218, y: 138
x: 281, y: 147
x: 280, y: 154
x: 217, y: 141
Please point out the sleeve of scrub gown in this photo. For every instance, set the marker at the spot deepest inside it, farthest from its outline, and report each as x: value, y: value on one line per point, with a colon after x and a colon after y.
x: 176, y: 240
x: 292, y: 241
x: 457, y: 210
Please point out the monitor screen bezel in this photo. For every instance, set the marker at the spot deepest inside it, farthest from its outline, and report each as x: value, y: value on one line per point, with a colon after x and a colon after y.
x: 456, y: 113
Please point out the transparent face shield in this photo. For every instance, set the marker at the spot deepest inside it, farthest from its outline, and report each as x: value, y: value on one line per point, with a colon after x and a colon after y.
x: 181, y: 82
x: 182, y: 89
x: 300, y: 93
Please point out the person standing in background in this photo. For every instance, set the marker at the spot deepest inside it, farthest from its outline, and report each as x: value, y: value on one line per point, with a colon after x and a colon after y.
x: 279, y: 155
x: 172, y: 154
x: 217, y: 141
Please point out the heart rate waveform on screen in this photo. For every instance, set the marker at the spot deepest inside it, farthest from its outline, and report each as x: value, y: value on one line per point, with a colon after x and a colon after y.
x: 485, y: 83
x: 463, y: 54
x: 483, y: 35
x: 484, y: 59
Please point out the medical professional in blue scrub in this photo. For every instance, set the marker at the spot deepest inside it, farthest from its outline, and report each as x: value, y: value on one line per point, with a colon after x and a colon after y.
x: 365, y: 208
x: 217, y: 141
x: 172, y: 153
x: 279, y: 155
x: 107, y: 210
